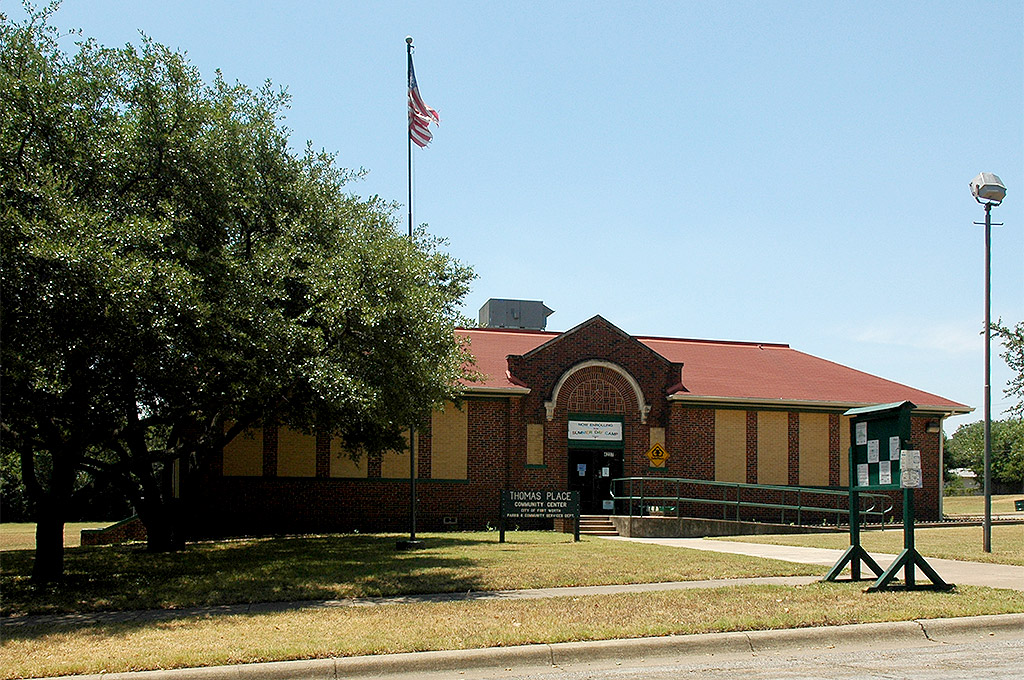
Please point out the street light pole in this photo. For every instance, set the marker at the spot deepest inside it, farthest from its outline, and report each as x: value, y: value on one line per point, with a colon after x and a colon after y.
x: 987, y: 531
x: 988, y: 190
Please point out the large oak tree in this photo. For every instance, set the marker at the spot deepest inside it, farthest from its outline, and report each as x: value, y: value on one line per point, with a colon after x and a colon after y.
x: 173, y: 272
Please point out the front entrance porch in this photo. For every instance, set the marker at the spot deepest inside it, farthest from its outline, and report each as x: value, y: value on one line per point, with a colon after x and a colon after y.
x: 591, y: 472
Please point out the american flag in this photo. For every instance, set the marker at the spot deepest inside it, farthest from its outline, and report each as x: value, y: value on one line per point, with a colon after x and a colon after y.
x: 420, y: 115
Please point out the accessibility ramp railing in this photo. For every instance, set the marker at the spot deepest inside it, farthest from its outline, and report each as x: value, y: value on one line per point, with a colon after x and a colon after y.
x: 679, y: 497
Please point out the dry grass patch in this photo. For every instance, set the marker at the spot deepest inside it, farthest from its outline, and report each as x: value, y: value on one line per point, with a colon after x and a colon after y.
x: 335, y: 567
x: 951, y: 543
x: 22, y: 535
x: 974, y: 506
x: 387, y: 629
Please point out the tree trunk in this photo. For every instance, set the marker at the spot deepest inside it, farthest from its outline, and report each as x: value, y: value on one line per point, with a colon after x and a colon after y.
x: 162, y: 534
x: 50, y: 499
x: 159, y: 514
x: 48, y: 566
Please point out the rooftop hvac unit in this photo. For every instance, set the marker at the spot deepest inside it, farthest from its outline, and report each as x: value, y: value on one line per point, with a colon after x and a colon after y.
x: 527, y: 314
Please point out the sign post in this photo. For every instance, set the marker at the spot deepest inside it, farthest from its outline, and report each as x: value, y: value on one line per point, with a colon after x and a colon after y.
x: 540, y: 505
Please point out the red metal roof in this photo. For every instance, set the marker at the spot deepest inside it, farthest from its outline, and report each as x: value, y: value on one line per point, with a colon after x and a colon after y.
x: 491, y: 346
x: 723, y: 371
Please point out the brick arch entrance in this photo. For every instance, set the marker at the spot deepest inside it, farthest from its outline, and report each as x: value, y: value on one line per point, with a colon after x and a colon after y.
x: 600, y: 403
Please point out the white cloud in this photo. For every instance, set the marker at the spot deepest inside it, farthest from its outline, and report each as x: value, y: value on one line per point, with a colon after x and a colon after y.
x: 952, y: 339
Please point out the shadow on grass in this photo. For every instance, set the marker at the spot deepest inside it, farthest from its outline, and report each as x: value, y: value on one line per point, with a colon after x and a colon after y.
x: 241, y: 571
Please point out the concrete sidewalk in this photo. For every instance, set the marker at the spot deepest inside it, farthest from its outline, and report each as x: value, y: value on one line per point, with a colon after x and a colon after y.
x: 951, y: 571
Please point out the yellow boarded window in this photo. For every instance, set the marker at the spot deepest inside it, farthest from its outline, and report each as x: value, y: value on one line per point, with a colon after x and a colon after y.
x: 296, y: 453
x: 449, y: 442
x: 657, y: 436
x: 395, y: 464
x: 730, y: 445
x: 342, y: 464
x: 814, y: 449
x: 772, y: 447
x: 243, y: 455
x: 534, y: 444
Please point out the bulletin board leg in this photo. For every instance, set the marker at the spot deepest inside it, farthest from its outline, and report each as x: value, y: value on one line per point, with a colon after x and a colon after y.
x: 855, y: 554
x: 909, y: 558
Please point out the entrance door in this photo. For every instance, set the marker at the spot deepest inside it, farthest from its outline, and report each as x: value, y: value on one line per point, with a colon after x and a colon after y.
x: 591, y: 472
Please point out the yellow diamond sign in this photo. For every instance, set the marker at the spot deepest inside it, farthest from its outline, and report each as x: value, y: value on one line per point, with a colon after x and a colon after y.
x: 657, y: 455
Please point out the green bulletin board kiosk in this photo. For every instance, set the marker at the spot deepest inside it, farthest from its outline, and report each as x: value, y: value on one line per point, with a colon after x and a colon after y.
x: 881, y: 460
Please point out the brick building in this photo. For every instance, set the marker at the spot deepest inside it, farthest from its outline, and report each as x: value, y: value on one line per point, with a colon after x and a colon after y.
x: 574, y: 410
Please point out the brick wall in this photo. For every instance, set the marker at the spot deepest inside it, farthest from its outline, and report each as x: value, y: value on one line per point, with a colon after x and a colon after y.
x: 131, y: 529
x: 690, y: 441
x: 793, y: 449
x: 265, y: 501
x: 270, y: 504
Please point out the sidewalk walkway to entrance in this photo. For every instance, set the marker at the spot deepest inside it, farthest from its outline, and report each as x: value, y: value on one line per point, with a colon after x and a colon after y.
x: 951, y: 571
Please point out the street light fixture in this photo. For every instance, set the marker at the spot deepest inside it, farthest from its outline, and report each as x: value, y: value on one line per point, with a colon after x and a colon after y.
x: 988, y: 190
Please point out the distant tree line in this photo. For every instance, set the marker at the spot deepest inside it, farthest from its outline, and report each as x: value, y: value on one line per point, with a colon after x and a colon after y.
x: 966, y: 448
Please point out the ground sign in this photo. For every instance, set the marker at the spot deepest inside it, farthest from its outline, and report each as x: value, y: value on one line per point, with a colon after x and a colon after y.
x: 540, y: 505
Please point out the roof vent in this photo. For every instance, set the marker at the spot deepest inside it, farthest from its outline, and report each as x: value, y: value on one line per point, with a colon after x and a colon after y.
x: 527, y: 314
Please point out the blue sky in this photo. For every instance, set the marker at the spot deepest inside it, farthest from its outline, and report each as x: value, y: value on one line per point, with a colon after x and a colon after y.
x: 772, y: 171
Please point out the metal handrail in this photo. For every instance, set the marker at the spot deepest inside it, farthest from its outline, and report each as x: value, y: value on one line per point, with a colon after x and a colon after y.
x: 874, y: 500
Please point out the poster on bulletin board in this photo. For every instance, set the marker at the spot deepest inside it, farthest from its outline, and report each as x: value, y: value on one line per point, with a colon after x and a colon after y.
x: 879, y: 437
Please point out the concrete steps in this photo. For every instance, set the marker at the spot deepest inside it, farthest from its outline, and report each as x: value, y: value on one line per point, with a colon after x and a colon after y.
x: 597, y: 525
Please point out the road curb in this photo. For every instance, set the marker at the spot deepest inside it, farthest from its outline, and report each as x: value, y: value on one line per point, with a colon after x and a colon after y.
x: 894, y: 633
x: 974, y: 627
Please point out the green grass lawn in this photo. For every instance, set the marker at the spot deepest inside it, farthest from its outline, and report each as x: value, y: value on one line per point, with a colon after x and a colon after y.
x: 327, y: 567
x: 22, y: 535
x: 331, y: 567
x: 953, y: 543
x: 975, y: 505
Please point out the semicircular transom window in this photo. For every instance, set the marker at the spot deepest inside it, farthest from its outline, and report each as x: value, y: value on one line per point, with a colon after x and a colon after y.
x: 596, y: 396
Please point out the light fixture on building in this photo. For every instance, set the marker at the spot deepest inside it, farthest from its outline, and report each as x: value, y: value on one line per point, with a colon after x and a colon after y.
x: 932, y: 427
x: 988, y: 190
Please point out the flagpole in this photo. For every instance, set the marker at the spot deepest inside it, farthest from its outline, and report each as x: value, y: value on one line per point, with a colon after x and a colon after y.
x: 408, y: 138
x: 412, y: 542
